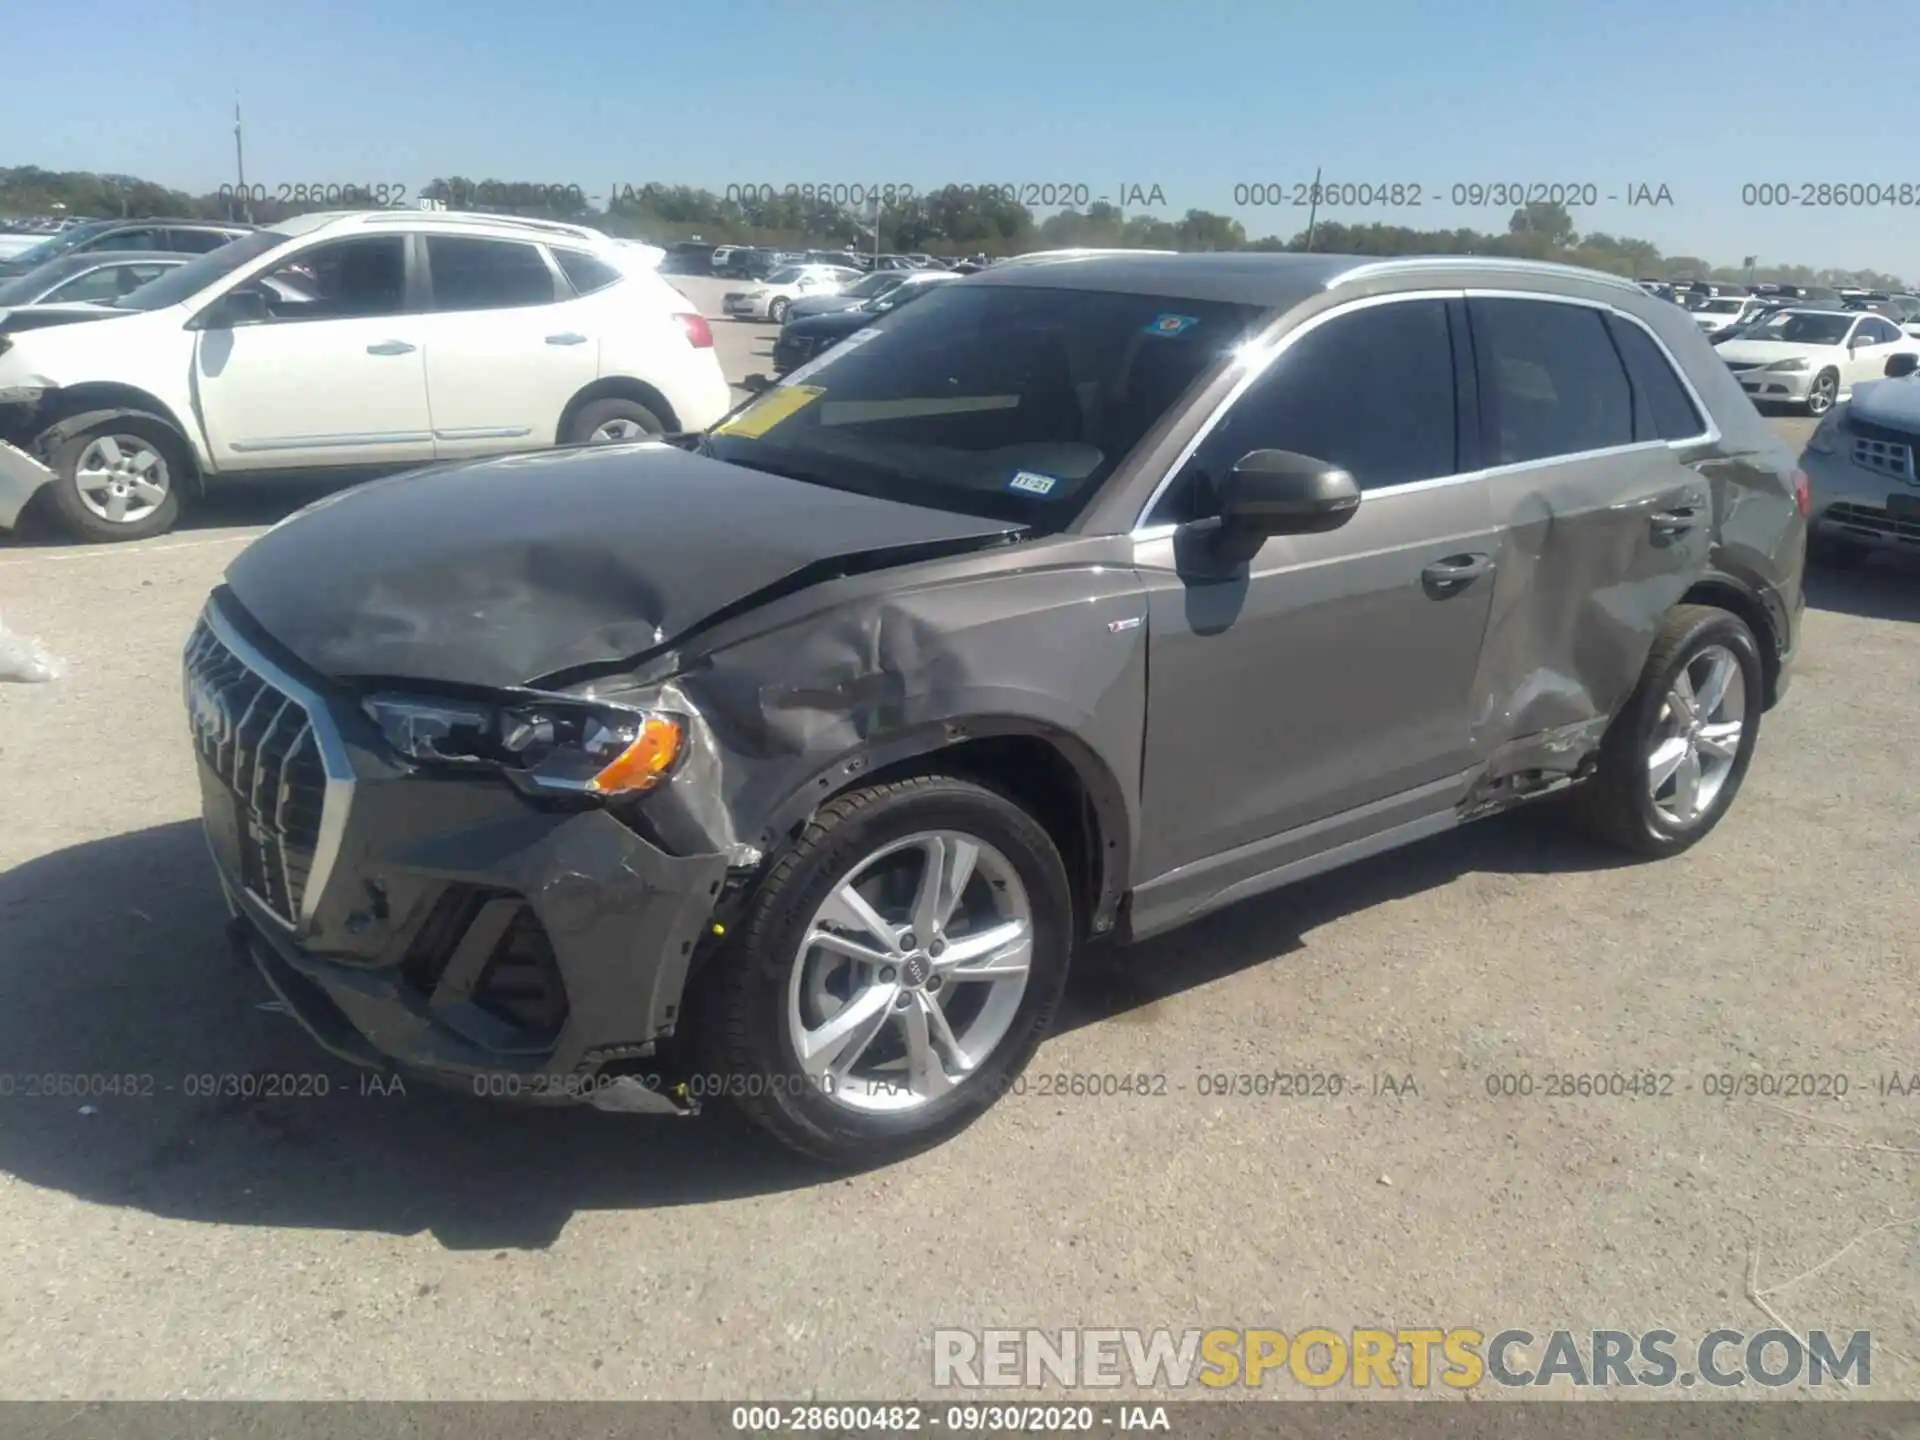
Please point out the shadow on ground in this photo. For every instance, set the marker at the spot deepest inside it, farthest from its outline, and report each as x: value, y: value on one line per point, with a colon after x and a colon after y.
x: 116, y: 973
x: 1883, y: 587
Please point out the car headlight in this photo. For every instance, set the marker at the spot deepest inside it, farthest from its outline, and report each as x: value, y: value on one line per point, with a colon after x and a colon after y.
x: 542, y: 743
x: 1826, y: 435
x: 1797, y: 363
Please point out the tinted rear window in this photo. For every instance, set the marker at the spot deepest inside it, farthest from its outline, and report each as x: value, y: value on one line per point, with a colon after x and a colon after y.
x: 1671, y: 411
x: 1551, y: 382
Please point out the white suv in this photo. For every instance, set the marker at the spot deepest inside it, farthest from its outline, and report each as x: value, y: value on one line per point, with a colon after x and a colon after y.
x: 370, y: 340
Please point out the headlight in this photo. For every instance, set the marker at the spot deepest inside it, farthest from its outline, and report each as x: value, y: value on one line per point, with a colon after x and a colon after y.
x: 553, y: 744
x: 1798, y: 363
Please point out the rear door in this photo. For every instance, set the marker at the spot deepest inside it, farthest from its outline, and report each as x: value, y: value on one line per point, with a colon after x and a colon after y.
x: 508, y: 344
x: 1590, y: 436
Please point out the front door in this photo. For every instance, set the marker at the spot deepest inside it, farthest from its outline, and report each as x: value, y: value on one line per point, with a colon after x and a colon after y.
x: 331, y: 374
x: 1331, y: 679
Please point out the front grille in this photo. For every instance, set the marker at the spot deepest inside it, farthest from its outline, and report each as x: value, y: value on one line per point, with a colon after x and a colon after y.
x: 1884, y: 456
x: 1875, y: 521
x: 1738, y: 365
x: 260, y: 742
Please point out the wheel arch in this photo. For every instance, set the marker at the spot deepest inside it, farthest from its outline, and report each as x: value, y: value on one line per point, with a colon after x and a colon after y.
x: 74, y: 408
x: 1724, y: 592
x: 615, y: 387
x: 1055, y: 775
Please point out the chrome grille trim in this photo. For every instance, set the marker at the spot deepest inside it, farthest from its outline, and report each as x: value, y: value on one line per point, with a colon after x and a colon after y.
x: 252, y: 761
x: 1886, y: 457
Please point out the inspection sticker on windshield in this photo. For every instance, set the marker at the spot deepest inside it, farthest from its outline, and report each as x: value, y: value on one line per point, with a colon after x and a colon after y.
x: 769, y: 410
x: 1032, y: 482
x: 1172, y: 324
x: 820, y: 362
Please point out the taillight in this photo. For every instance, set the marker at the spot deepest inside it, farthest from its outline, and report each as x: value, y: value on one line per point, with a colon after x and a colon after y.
x: 699, y: 333
x: 1803, y: 492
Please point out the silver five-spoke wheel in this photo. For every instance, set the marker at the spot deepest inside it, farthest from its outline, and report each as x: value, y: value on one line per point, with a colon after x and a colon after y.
x: 911, y: 972
x: 122, y: 478
x: 1697, y: 737
x: 618, y: 429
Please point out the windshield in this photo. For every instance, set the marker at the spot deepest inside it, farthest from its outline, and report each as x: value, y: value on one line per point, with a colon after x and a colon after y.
x: 878, y: 283
x: 191, y: 278
x: 899, y: 295
x: 1722, y: 307
x: 1010, y: 403
x: 1801, y: 327
x: 785, y: 276
x: 57, y: 245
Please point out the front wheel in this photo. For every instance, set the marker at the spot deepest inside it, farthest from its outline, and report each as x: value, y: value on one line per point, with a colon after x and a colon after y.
x: 777, y: 310
x: 1675, y: 755
x: 118, y: 480
x: 895, y: 971
x: 1826, y: 389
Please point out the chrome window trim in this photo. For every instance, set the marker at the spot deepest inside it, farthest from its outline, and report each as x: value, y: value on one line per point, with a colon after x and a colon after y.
x: 1259, y: 363
x: 1442, y: 264
x: 333, y: 758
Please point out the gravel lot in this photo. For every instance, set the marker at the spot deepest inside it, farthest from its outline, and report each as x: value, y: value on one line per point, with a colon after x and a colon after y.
x: 426, y: 1246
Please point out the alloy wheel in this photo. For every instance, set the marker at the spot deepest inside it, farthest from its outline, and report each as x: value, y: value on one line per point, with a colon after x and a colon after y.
x: 620, y: 428
x: 1820, y: 397
x: 1696, y: 739
x: 911, y: 972
x: 122, y: 478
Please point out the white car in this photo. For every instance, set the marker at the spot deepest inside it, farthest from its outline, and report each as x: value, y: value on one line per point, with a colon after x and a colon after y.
x: 1723, y: 312
x: 771, y: 299
x: 870, y: 286
x: 376, y: 339
x: 1813, y: 358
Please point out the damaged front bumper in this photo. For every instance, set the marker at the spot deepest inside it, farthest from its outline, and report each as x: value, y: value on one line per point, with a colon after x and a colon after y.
x: 446, y: 926
x: 21, y: 477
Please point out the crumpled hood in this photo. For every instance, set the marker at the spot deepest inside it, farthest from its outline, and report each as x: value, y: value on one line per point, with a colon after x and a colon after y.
x: 499, y: 572
x: 1893, y: 403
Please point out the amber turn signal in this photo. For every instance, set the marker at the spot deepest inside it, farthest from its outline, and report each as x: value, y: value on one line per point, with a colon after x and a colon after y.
x: 643, y: 762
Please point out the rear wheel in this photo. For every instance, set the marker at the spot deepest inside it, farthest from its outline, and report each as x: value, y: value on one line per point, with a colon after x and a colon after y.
x: 118, y: 480
x: 1675, y: 755
x: 610, y: 422
x: 895, y: 972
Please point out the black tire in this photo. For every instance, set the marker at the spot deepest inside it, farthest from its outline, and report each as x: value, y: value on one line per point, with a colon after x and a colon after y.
x: 1833, y: 553
x: 747, y: 1052
x: 1616, y: 805
x: 72, y: 513
x: 777, y: 309
x: 591, y: 417
x: 1825, y: 390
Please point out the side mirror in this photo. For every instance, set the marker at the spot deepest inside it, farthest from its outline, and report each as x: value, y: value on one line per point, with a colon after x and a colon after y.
x: 246, y: 305
x: 1902, y: 365
x: 1277, y: 492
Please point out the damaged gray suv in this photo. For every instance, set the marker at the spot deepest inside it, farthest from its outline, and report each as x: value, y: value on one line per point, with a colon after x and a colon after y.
x: 794, y: 762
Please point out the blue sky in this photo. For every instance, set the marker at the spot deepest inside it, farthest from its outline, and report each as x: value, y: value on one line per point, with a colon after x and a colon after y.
x: 1196, y: 97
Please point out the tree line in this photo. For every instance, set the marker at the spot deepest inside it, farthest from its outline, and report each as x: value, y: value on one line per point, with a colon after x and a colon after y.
x: 944, y: 221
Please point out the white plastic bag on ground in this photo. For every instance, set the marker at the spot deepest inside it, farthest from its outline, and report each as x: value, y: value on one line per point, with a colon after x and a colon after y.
x: 26, y: 660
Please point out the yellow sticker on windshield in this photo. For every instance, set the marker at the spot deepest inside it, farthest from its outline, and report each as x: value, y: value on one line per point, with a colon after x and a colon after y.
x: 770, y: 409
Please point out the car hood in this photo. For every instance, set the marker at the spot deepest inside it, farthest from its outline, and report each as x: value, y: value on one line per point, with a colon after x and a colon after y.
x: 15, y: 318
x: 821, y: 305
x: 501, y: 572
x: 1892, y: 403
x: 1766, y: 351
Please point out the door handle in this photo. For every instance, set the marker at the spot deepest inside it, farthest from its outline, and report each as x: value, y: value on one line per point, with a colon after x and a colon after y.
x: 567, y: 339
x: 1453, y: 574
x: 1669, y: 524
x: 390, y: 347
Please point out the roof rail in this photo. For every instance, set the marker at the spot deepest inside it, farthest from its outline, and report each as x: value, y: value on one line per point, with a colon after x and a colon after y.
x: 1481, y: 262
x: 481, y: 217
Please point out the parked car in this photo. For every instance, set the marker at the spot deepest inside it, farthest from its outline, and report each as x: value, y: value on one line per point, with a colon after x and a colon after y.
x: 1722, y: 312
x: 770, y: 299
x: 1903, y: 310
x: 1860, y: 462
x: 92, y: 275
x: 870, y: 286
x: 1812, y: 358
x: 1076, y: 602
x: 379, y: 339
x: 193, y: 237
x: 805, y: 336
x: 688, y: 257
